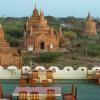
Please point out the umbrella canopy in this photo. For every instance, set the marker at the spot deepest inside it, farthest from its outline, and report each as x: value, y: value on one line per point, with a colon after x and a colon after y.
x: 1, y: 68
x: 40, y: 68
x: 54, y: 68
x: 26, y: 68
x: 12, y: 68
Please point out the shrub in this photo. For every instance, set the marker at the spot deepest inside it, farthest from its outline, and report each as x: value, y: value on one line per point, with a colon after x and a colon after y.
x: 69, y: 34
x: 27, y: 59
x: 92, y: 50
x: 48, y: 56
x: 73, y: 58
x: 93, y: 53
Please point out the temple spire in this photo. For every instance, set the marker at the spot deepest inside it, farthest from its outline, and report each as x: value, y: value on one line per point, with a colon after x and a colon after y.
x: 35, y: 7
x: 41, y: 13
x: 60, y: 33
x: 52, y: 32
x: 89, y: 15
x: 35, y: 11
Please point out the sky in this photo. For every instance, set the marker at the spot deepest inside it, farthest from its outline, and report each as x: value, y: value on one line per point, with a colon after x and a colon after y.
x: 57, y: 8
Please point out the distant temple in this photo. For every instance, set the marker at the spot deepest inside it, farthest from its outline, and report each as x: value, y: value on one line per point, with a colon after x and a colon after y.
x: 38, y: 36
x: 8, y: 56
x: 90, y: 26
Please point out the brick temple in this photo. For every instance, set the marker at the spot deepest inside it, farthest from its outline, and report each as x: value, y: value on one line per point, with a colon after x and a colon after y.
x: 90, y: 26
x: 8, y: 56
x: 38, y: 36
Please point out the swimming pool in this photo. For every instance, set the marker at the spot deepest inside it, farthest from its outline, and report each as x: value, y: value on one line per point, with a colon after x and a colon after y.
x: 86, y: 89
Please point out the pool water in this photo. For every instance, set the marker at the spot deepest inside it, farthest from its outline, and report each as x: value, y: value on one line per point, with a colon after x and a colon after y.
x: 85, y: 90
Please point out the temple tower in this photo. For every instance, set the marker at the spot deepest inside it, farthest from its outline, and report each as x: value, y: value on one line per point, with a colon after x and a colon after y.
x: 38, y: 36
x: 90, y: 26
x: 8, y: 56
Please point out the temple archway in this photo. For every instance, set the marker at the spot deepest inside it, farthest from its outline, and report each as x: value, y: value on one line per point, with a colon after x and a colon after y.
x: 42, y: 45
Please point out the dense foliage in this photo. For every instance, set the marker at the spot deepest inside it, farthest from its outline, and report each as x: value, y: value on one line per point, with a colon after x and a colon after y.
x: 14, y: 28
x: 92, y: 50
x: 48, y: 56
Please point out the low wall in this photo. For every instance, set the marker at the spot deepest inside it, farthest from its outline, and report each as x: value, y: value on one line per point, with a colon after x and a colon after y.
x: 10, y: 74
x: 70, y: 75
x: 66, y: 73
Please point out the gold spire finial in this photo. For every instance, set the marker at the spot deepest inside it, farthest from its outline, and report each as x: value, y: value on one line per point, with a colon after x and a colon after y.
x: 35, y: 11
x: 89, y: 14
x: 35, y: 6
